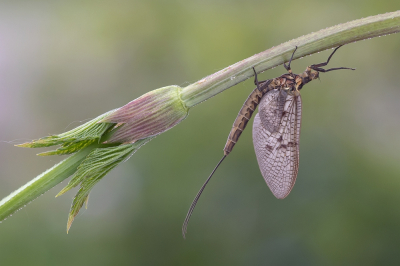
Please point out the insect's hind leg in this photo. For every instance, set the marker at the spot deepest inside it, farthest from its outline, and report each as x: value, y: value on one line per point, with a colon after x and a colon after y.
x: 256, y: 79
x: 263, y: 82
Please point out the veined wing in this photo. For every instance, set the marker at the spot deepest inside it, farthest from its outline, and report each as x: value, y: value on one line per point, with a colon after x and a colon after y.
x: 271, y: 106
x: 278, y: 152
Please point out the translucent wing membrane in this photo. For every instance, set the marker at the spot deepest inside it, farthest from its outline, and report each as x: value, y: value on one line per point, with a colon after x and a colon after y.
x: 271, y: 106
x: 277, y: 148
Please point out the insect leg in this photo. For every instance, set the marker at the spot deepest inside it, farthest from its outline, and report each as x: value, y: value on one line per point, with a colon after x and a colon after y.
x: 317, y: 67
x: 264, y: 83
x: 327, y: 61
x: 255, y: 79
x: 327, y: 70
x: 290, y: 61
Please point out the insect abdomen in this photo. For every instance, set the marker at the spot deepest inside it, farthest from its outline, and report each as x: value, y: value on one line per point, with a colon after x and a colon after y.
x: 242, y: 119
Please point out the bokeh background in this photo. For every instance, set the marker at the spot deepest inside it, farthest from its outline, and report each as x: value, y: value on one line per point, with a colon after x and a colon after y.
x: 64, y: 62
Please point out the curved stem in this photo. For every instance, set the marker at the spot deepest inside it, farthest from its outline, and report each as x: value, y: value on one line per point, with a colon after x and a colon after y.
x: 42, y: 183
x: 341, y: 34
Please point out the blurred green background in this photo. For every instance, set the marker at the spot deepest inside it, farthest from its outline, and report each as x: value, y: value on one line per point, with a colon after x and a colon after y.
x: 64, y: 62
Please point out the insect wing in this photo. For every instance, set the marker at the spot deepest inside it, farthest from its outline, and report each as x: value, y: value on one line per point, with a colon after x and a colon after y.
x: 278, y: 151
x: 271, y: 106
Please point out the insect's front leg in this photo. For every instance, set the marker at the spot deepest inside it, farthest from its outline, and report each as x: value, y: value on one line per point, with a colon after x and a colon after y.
x: 317, y: 67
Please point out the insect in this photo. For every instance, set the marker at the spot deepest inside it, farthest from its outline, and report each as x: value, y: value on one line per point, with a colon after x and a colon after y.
x: 276, y: 128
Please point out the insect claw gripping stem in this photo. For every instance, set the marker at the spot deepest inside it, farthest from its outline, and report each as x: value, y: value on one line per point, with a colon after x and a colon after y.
x: 290, y: 61
x: 256, y: 80
x: 263, y: 83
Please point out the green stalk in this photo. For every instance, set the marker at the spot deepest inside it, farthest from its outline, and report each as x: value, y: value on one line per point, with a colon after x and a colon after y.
x: 43, y: 182
x: 352, y: 31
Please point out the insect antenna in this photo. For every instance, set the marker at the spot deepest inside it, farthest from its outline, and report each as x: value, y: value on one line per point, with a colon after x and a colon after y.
x: 185, y: 223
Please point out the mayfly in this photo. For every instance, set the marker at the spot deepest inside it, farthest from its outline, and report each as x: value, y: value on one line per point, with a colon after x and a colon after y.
x: 276, y: 128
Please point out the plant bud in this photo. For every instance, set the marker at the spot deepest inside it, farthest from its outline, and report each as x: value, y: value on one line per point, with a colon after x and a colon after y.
x: 147, y: 116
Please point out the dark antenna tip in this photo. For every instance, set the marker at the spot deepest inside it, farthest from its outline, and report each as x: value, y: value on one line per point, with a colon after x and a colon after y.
x: 185, y: 223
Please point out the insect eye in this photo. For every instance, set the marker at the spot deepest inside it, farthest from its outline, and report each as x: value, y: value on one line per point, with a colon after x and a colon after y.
x: 314, y: 75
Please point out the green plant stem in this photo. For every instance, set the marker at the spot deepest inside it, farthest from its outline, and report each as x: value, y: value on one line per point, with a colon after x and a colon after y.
x: 352, y: 31
x: 43, y: 182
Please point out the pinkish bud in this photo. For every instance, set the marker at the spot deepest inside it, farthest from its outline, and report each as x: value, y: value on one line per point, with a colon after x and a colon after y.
x: 148, y: 115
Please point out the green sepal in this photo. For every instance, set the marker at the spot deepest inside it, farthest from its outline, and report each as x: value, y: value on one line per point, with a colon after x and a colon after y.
x: 95, y: 166
x: 74, y: 139
x: 69, y: 148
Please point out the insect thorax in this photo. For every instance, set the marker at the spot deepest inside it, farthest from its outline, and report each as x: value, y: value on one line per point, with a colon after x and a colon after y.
x: 292, y: 83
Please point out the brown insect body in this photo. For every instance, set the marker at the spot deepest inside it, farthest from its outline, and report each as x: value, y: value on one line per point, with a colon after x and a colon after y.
x: 276, y: 128
x: 287, y: 82
x: 280, y: 175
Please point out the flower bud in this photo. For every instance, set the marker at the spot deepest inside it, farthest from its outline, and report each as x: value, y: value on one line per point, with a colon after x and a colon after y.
x: 147, y: 116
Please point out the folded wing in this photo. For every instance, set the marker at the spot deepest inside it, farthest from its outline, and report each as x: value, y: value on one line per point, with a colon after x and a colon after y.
x: 277, y: 147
